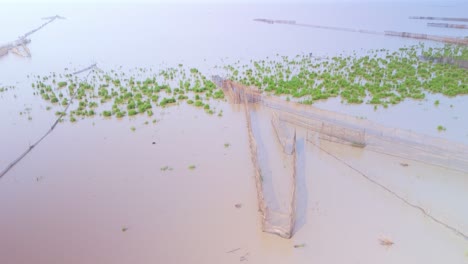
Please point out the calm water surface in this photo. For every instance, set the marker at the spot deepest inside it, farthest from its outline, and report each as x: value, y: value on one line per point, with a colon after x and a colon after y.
x: 71, y: 199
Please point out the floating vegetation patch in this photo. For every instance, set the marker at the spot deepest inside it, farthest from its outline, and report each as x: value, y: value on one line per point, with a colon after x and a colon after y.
x: 119, y: 94
x: 380, y: 77
x: 441, y: 128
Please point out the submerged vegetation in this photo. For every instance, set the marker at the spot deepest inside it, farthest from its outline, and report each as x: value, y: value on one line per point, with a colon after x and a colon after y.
x: 379, y: 77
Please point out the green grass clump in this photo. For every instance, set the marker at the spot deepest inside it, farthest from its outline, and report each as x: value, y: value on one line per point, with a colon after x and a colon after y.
x: 380, y: 78
x: 93, y: 104
x: 132, y: 112
x: 120, y: 114
x: 218, y: 94
x: 62, y: 84
x: 191, y: 167
x: 227, y: 145
x: 167, y: 101
x: 199, y: 103
x: 441, y: 128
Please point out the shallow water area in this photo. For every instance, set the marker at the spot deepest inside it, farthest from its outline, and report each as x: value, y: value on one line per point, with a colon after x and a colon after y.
x: 182, y: 189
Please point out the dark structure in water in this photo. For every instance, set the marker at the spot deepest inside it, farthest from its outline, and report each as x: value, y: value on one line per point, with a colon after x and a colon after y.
x: 19, y: 47
x: 451, y: 40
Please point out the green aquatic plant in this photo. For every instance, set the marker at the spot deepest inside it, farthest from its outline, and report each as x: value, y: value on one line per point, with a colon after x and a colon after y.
x: 380, y: 78
x: 441, y: 128
x: 191, y: 167
x: 132, y: 112
x: 166, y: 101
x: 199, y: 103
x: 62, y: 84
x: 93, y: 104
x: 120, y: 114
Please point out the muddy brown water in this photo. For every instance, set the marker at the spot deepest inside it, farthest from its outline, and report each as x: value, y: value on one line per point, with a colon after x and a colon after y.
x: 94, y: 191
x: 85, y: 185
